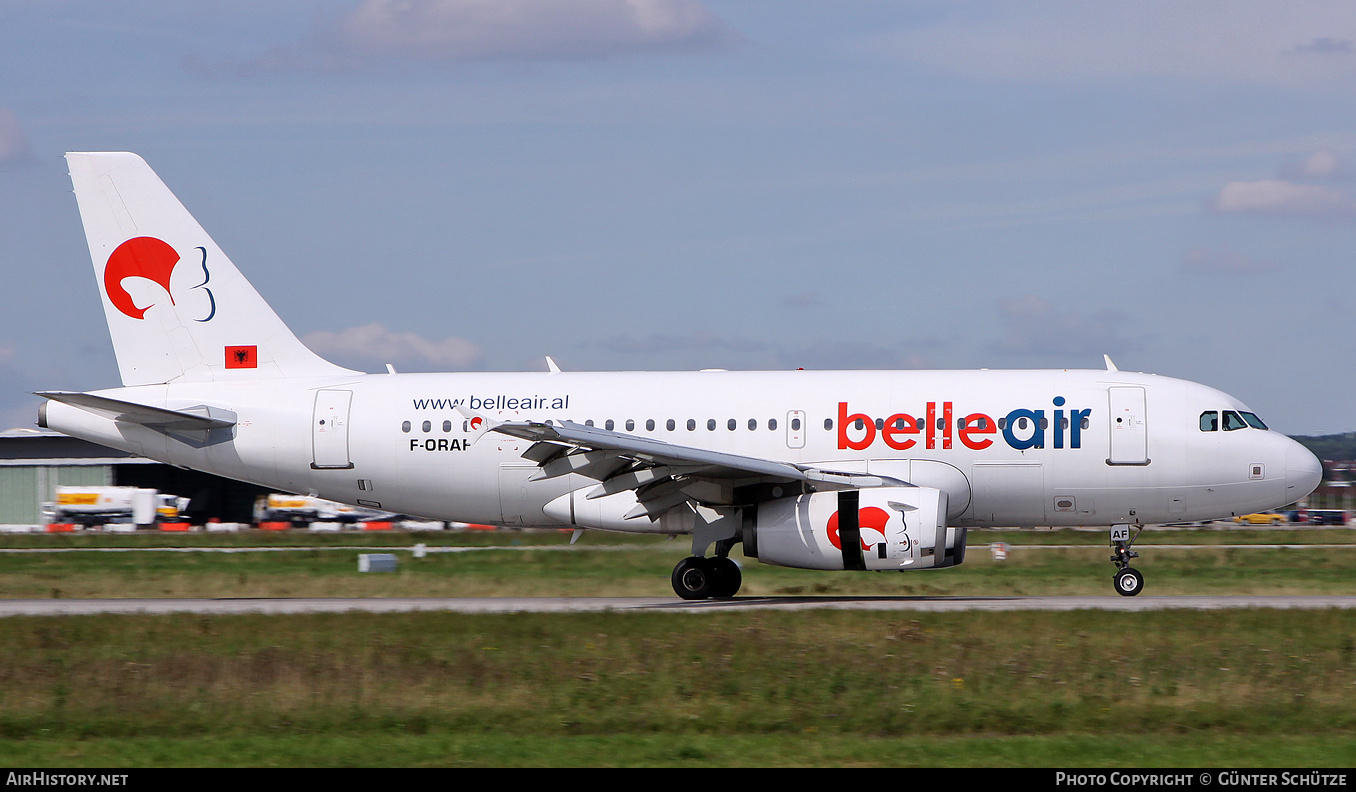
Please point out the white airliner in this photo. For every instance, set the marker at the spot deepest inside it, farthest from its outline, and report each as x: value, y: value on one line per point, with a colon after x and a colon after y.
x: 832, y: 470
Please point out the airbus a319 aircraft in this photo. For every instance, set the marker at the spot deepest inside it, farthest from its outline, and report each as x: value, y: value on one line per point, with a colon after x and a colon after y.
x: 831, y: 470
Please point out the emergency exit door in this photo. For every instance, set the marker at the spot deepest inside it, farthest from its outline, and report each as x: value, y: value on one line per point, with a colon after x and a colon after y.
x: 329, y: 430
x: 795, y: 429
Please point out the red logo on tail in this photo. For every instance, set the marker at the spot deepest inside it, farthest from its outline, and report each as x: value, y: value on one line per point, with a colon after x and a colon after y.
x: 139, y: 257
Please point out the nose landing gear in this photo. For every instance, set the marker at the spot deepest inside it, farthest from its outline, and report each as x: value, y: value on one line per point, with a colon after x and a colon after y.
x: 1127, y: 582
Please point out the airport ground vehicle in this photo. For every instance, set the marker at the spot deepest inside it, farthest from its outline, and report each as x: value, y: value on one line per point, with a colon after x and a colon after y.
x: 302, y: 509
x: 1262, y: 518
x: 89, y: 506
x: 1326, y: 516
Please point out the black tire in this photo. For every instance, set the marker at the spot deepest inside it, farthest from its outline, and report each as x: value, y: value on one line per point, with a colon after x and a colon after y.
x: 728, y: 578
x: 1128, y: 582
x: 693, y: 578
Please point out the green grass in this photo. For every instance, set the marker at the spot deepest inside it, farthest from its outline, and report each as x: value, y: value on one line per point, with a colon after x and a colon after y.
x: 544, y: 564
x: 790, y: 689
x: 1238, y: 688
x: 471, y: 749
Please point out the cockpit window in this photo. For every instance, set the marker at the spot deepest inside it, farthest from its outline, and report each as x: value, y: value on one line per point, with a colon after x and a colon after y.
x: 1232, y: 421
x: 1210, y: 421
x: 1253, y: 420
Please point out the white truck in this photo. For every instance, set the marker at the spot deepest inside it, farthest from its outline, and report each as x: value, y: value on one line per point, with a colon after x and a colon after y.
x: 302, y: 509
x: 102, y: 505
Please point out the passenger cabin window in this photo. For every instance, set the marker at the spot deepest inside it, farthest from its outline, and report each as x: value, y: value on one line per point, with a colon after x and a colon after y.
x: 1210, y: 421
x: 669, y: 425
x: 405, y: 426
x: 630, y: 425
x: 1232, y: 421
x: 772, y: 424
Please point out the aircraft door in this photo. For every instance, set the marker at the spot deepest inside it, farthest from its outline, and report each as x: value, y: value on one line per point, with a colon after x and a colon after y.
x: 329, y: 430
x: 795, y: 429
x: 1129, y: 435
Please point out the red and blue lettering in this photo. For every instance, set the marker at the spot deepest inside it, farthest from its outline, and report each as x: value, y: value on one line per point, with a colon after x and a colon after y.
x: 1021, y: 428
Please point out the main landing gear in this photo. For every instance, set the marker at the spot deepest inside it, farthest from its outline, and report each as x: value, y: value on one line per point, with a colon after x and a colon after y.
x: 1127, y: 582
x: 697, y: 578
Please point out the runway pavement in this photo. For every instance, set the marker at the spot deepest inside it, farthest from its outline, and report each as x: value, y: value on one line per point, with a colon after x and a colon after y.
x: 59, y: 607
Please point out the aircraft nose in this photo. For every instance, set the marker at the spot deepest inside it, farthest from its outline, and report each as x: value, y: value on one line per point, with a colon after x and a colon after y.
x: 1303, y: 472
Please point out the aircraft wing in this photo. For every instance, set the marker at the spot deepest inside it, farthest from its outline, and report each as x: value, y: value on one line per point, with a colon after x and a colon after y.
x: 663, y: 475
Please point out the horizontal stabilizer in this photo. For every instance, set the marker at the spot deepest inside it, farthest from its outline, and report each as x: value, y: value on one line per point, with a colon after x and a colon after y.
x: 201, y: 418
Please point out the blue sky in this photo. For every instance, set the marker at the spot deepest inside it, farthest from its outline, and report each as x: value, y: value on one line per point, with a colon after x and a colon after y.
x: 673, y: 184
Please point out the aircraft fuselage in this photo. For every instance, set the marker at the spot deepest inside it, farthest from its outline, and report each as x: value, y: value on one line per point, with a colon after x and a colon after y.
x: 1011, y: 448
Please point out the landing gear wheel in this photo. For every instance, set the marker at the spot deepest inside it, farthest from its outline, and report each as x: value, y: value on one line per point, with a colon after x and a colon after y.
x: 1128, y: 582
x: 694, y: 578
x: 727, y: 577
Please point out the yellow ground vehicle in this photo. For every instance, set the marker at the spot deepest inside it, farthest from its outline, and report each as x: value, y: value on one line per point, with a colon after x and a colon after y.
x: 1262, y: 518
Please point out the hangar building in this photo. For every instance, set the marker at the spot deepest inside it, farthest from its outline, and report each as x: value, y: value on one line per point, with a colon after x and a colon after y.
x: 33, y: 462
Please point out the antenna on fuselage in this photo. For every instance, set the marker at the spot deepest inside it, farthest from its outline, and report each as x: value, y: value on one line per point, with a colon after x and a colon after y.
x: 1109, y: 365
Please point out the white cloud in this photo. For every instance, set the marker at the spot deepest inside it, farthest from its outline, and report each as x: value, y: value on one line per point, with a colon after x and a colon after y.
x: 1283, y: 198
x: 803, y: 300
x: 1303, y: 45
x: 1322, y: 164
x: 1325, y: 45
x: 466, y: 30
x: 1224, y: 261
x: 1038, y: 327
x: 704, y: 349
x: 14, y: 145
x: 374, y: 343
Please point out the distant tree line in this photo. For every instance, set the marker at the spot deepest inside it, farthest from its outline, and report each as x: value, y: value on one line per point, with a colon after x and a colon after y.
x: 1333, y: 446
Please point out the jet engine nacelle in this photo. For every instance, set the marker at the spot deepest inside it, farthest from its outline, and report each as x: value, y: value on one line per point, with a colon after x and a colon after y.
x: 894, y: 528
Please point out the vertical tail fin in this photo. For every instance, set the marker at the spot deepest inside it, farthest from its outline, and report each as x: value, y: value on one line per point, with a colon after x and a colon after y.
x: 177, y: 308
